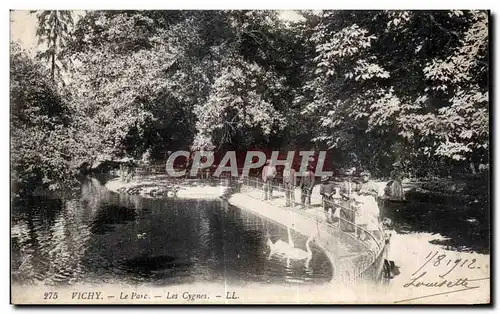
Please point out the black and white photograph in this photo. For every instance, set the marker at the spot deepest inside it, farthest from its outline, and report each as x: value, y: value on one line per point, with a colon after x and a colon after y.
x: 250, y: 156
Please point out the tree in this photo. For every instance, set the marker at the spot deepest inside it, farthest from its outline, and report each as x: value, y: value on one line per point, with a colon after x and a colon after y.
x: 248, y: 68
x: 43, y: 144
x: 184, y: 61
x: 54, y: 30
x: 406, y: 98
x: 240, y: 99
x: 371, y: 86
x: 129, y: 81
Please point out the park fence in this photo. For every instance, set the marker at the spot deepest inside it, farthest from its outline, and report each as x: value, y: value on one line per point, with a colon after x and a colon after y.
x: 349, y: 269
x: 358, y: 231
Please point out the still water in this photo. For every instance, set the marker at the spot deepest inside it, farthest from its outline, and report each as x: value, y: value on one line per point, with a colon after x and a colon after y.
x: 104, y: 237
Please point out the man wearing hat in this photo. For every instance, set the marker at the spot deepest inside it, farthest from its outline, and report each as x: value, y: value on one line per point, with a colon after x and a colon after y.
x: 268, y: 174
x: 306, y: 186
x: 326, y: 190
x: 348, y: 186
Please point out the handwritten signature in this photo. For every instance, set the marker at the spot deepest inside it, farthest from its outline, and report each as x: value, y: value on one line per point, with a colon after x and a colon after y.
x: 417, y: 282
x: 436, y: 260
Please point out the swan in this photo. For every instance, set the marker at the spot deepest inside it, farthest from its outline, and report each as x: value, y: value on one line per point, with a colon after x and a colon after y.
x: 289, y: 250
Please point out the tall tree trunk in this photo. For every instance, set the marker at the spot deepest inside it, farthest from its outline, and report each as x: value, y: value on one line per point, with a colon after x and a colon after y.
x: 52, y: 70
x: 54, y: 45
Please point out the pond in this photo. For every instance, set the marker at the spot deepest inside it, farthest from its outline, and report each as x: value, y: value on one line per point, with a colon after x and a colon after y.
x: 104, y: 237
x: 465, y: 227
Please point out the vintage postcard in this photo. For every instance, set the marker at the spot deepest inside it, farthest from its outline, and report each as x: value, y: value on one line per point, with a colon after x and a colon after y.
x: 250, y: 157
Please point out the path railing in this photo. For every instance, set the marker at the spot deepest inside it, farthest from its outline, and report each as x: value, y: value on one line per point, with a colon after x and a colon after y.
x: 374, y: 240
x: 358, y: 231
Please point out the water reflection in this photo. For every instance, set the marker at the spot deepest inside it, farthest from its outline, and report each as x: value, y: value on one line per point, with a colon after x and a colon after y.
x: 467, y: 227
x: 105, y: 237
x: 47, y: 247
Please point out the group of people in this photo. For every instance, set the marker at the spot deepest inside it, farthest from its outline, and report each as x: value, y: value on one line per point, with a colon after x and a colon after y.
x: 357, y: 197
x: 306, y: 183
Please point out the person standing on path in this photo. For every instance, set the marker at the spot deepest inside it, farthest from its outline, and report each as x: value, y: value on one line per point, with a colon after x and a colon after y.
x: 367, y: 186
x: 289, y: 181
x: 306, y: 186
x: 369, y: 214
x: 347, y: 212
x: 268, y: 175
x: 326, y: 190
x: 394, y: 189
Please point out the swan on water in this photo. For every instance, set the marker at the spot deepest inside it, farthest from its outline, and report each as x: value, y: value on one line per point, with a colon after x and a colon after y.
x: 289, y: 250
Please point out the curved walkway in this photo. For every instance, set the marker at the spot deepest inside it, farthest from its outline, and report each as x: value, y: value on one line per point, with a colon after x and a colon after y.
x: 349, y: 256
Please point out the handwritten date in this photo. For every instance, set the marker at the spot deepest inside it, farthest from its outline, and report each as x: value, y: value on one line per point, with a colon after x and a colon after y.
x: 434, y: 259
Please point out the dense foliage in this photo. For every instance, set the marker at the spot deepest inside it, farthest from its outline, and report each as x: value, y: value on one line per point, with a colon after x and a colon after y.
x: 401, y: 85
x: 42, y: 139
x: 372, y: 87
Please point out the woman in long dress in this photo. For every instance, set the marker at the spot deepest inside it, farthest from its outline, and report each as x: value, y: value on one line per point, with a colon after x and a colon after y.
x: 368, y: 212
